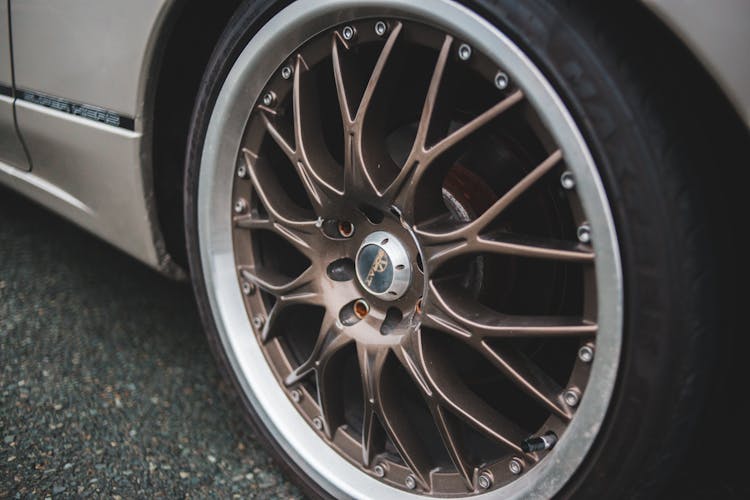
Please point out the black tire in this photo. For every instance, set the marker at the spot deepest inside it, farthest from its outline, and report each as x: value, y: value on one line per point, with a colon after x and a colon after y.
x: 645, y: 156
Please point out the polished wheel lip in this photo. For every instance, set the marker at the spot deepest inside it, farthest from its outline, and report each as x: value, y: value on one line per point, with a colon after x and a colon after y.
x: 280, y: 36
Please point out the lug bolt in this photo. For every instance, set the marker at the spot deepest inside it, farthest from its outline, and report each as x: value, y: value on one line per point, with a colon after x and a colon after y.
x: 346, y: 228
x: 318, y: 423
x: 258, y: 321
x: 515, y: 466
x: 248, y: 288
x: 240, y: 205
x: 296, y: 396
x: 586, y: 353
x: 571, y: 397
x: 379, y: 470
x: 584, y: 233
x: 380, y: 28
x: 348, y: 33
x: 269, y: 99
x: 464, y: 52
x: 286, y: 72
x: 568, y: 180
x: 361, y: 308
x: 410, y: 482
x: 485, y: 480
x: 242, y: 172
x: 501, y: 80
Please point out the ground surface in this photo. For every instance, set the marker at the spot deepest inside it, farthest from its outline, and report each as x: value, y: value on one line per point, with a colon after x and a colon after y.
x: 107, y: 386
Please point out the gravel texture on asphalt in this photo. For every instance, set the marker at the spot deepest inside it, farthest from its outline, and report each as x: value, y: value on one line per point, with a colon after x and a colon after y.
x: 107, y: 385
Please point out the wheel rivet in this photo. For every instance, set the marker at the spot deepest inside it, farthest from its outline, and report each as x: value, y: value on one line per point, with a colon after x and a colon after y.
x: 515, y: 466
x: 346, y: 228
x: 242, y: 171
x: 296, y: 396
x: 464, y: 52
x: 485, y: 480
x: 258, y: 322
x: 286, y: 72
x: 318, y: 423
x: 348, y: 33
x: 361, y: 308
x: 379, y: 470
x: 584, y: 233
x: 380, y: 28
x: 248, y: 288
x: 568, y: 180
x: 240, y: 205
x: 501, y: 80
x: 269, y: 99
x: 586, y: 353
x: 410, y: 482
x: 571, y: 397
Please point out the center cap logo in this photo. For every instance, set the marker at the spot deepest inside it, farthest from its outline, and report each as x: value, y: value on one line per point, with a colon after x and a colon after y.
x: 383, y: 266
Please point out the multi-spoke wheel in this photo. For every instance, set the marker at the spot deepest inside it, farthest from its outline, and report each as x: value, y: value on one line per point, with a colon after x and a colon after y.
x: 403, y: 245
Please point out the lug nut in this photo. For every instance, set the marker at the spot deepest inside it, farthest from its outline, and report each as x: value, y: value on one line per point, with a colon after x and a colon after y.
x: 361, y: 308
x: 240, y: 205
x: 258, y: 321
x: 346, y: 228
x: 348, y: 33
x: 584, y: 233
x: 318, y: 423
x: 501, y: 80
x: 586, y: 353
x: 418, y: 306
x: 410, y: 482
x: 464, y: 52
x: 485, y: 480
x: 269, y: 99
x: 539, y: 443
x: 242, y: 172
x: 286, y: 72
x: 380, y: 28
x: 571, y: 397
x: 248, y: 288
x: 568, y: 180
x: 296, y: 396
x: 379, y: 470
x: 515, y: 466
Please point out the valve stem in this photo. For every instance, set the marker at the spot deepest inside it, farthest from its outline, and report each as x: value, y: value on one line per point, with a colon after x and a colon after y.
x: 539, y: 443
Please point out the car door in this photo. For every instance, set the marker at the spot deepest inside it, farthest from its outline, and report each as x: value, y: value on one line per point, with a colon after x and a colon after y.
x: 11, y: 148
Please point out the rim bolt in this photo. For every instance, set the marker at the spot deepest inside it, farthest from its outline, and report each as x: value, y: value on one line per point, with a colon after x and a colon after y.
x: 296, y: 396
x: 346, y: 229
x: 501, y: 80
x: 348, y: 33
x: 240, y: 205
x: 586, y: 353
x: 380, y: 28
x: 318, y: 423
x: 242, y: 171
x: 258, y: 321
x: 515, y: 466
x: 410, y: 482
x: 485, y: 480
x: 379, y: 470
x: 361, y: 308
x: 584, y: 233
x: 568, y: 180
x: 248, y: 288
x: 269, y: 99
x: 286, y: 72
x: 572, y: 397
x: 464, y: 52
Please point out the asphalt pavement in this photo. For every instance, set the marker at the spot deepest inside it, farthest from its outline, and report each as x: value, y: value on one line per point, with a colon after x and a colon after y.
x: 107, y: 385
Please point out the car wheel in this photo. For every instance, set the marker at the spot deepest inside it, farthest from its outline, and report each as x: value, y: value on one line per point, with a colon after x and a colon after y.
x: 439, y: 250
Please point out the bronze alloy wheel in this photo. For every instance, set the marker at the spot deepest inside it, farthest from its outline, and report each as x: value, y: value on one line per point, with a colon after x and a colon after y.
x: 444, y: 249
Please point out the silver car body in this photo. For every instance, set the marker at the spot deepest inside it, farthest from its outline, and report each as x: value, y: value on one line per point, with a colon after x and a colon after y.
x: 77, y: 83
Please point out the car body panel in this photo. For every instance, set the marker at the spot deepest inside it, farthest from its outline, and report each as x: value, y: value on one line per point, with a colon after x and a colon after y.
x: 100, y: 59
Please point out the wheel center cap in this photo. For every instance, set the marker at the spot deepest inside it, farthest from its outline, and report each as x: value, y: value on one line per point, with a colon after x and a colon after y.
x: 383, y: 266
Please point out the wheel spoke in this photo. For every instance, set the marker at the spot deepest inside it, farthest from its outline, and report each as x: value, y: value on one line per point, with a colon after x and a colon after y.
x: 328, y: 378
x: 329, y: 327
x: 446, y: 429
